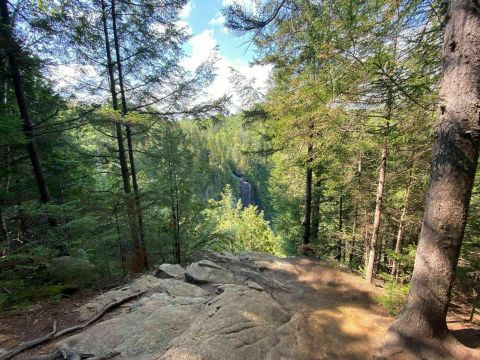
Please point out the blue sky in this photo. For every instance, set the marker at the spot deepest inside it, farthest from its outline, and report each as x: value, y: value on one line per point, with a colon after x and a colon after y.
x: 204, y: 20
x: 206, y: 14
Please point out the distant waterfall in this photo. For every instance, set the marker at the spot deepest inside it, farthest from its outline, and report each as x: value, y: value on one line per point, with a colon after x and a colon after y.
x: 249, y: 195
x: 246, y: 191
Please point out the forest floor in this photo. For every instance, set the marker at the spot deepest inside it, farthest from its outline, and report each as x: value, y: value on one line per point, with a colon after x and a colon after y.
x: 341, y: 317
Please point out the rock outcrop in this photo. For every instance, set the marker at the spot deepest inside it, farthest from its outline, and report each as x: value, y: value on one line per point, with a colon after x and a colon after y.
x: 234, y: 307
x: 218, y: 305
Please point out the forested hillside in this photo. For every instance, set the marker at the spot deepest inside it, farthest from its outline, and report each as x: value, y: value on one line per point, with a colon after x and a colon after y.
x: 362, y: 149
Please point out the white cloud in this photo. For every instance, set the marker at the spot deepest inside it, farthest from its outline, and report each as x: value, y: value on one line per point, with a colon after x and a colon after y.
x: 186, y: 11
x: 185, y: 26
x: 202, y: 46
x: 77, y: 81
x: 219, y: 20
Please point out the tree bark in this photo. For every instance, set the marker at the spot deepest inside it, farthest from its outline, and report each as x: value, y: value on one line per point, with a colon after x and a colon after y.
x: 354, y: 238
x: 316, y: 199
x: 140, y: 254
x: 132, y: 219
x: 452, y: 172
x: 136, y: 191
x: 11, y: 49
x: 308, y: 198
x: 378, y: 215
x: 340, y: 229
x: 365, y: 240
x: 401, y: 227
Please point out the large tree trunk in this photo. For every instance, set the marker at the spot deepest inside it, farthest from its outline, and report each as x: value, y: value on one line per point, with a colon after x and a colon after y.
x: 136, y: 191
x: 140, y: 254
x: 377, y: 216
x: 132, y: 219
x: 454, y: 162
x: 308, y: 198
x: 11, y: 49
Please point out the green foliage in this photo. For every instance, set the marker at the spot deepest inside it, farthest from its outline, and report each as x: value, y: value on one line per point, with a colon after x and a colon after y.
x: 25, y: 278
x: 394, y: 297
x: 236, y: 229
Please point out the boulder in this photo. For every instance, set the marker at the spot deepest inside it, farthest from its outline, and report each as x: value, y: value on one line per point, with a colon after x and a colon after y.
x: 206, y: 271
x: 166, y: 271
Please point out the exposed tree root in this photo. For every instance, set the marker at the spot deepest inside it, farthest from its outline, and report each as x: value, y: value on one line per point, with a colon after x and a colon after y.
x: 400, y: 347
x: 72, y: 355
x: 54, y: 334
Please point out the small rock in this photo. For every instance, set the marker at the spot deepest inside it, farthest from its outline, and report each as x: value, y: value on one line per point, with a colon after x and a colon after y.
x: 253, y: 285
x: 211, y: 264
x: 166, y: 271
x: 206, y: 271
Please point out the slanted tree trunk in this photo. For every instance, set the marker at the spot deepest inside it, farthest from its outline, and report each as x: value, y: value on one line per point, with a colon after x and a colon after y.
x: 454, y: 162
x: 378, y: 214
x: 11, y: 48
x: 308, y: 198
x: 140, y: 255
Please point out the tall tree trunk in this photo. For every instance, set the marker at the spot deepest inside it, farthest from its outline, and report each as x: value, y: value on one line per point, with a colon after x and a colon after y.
x: 308, y: 198
x: 338, y: 256
x: 354, y: 238
x: 130, y: 202
x: 136, y: 191
x: 453, y: 166
x: 316, y: 199
x: 401, y: 226
x: 365, y: 240
x: 140, y: 254
x: 378, y: 215
x: 11, y: 49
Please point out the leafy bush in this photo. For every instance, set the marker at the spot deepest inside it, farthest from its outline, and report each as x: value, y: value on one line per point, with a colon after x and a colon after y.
x: 395, y: 296
x: 236, y: 229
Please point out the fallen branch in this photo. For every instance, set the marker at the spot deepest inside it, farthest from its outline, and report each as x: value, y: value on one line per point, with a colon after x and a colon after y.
x: 54, y: 334
x: 62, y: 355
x: 72, y: 355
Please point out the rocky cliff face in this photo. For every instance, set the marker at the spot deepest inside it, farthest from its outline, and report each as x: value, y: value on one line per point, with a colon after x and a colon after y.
x: 251, y: 306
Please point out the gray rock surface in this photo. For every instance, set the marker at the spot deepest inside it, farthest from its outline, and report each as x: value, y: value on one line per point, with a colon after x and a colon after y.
x: 206, y: 271
x: 166, y: 271
x: 235, y: 316
x: 146, y: 282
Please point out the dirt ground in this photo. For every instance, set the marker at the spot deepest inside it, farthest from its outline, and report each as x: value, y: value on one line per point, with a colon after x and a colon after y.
x: 343, y: 317
x: 345, y: 320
